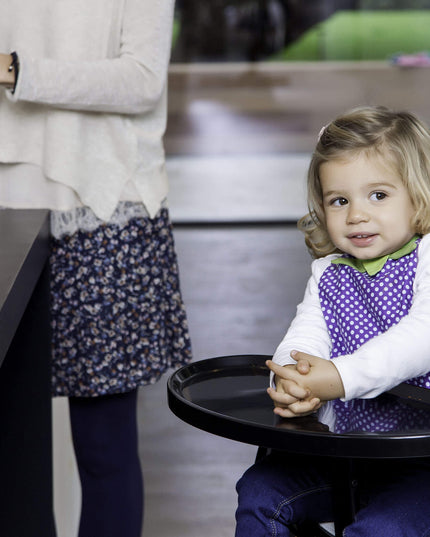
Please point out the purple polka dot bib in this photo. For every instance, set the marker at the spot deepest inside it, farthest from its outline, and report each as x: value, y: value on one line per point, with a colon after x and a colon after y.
x: 357, y: 307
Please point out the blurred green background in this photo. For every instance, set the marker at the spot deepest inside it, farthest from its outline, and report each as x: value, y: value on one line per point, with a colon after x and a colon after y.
x: 299, y: 30
x: 362, y: 35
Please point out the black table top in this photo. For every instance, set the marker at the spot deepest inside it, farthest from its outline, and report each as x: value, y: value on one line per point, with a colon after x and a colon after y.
x: 227, y: 396
x: 24, y: 250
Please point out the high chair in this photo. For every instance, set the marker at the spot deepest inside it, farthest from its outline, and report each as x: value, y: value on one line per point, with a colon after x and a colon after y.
x: 227, y: 396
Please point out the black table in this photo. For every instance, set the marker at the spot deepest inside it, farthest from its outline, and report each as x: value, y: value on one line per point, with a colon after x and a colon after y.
x: 26, y: 497
x: 227, y: 396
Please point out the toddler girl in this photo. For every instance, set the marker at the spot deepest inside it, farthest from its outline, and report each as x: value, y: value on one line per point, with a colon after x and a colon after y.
x: 360, y: 330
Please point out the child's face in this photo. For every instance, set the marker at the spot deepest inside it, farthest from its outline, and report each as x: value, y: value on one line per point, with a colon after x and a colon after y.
x: 367, y: 208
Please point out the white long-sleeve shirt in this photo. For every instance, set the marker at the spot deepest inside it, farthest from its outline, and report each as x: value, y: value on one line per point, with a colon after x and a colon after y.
x: 400, y: 353
x: 89, y: 109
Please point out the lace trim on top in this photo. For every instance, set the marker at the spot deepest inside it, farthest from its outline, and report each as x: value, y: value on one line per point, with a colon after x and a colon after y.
x: 84, y: 219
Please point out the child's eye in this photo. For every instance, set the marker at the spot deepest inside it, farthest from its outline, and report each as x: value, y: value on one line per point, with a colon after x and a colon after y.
x: 378, y: 196
x: 337, y: 202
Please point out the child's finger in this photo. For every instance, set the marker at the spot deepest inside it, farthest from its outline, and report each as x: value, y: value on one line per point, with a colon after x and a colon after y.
x: 282, y: 399
x: 287, y: 373
x: 292, y: 388
x: 298, y: 409
x: 303, y: 366
x: 283, y: 372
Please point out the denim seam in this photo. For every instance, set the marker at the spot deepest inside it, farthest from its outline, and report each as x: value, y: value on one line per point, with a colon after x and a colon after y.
x: 290, y: 500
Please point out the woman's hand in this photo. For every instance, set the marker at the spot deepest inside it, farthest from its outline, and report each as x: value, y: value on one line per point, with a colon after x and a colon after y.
x: 7, y: 78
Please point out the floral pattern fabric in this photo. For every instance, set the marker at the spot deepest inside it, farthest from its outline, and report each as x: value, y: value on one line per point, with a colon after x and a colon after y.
x: 118, y: 319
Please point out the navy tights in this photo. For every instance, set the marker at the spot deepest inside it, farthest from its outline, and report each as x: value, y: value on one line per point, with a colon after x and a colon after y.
x: 105, y: 440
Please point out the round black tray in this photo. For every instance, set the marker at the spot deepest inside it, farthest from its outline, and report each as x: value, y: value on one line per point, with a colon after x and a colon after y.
x: 227, y: 396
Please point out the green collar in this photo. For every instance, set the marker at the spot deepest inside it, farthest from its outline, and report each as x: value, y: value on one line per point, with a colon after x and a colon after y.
x: 373, y: 266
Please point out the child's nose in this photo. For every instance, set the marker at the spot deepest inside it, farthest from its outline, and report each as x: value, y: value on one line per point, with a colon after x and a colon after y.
x: 357, y: 213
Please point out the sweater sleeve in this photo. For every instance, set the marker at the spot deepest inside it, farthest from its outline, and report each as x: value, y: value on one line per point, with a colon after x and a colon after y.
x: 400, y: 353
x: 308, y: 331
x: 131, y: 83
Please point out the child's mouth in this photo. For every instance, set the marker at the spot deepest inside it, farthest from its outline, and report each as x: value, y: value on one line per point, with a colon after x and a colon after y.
x: 361, y: 239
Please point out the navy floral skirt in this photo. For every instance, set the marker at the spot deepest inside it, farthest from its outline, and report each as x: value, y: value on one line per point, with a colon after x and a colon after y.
x: 118, y: 320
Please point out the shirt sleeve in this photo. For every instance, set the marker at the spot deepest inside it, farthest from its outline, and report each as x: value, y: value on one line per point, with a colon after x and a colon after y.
x: 131, y: 83
x: 308, y: 331
x: 400, y: 353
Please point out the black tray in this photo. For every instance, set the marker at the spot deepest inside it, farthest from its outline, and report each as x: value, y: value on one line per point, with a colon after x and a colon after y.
x: 227, y: 396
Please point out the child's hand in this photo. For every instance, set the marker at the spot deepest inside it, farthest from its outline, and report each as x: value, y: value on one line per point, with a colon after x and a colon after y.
x: 290, y: 398
x: 323, y: 380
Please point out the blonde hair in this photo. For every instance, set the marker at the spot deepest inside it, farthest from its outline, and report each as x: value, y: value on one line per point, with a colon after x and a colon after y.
x: 399, y: 138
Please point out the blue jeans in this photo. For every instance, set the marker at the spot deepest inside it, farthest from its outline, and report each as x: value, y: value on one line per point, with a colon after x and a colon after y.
x: 283, y: 489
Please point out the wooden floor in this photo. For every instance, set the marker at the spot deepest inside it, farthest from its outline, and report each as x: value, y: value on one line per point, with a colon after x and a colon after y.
x: 240, y: 285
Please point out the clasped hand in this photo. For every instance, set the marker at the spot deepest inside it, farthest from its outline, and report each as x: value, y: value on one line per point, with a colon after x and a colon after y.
x: 302, y: 388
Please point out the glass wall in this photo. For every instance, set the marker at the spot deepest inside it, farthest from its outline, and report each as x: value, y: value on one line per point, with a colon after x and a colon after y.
x: 298, y: 30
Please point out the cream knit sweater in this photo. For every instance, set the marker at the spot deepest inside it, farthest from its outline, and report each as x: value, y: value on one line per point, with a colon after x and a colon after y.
x: 89, y: 110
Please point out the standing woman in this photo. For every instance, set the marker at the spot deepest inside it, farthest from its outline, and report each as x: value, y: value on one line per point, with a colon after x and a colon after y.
x: 82, y: 117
